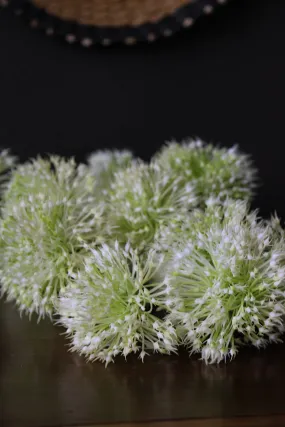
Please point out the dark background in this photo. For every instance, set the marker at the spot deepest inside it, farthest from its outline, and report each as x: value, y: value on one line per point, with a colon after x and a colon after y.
x: 223, y: 80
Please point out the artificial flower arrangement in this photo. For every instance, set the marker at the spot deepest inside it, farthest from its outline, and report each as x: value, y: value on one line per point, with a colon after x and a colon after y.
x: 144, y: 257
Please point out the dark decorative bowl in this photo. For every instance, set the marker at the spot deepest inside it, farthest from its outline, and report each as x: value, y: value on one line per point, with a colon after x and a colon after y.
x: 111, y: 21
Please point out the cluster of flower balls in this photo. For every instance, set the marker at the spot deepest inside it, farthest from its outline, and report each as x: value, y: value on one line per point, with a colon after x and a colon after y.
x: 144, y: 257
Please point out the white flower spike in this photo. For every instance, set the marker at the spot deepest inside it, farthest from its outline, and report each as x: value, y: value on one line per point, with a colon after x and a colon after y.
x: 226, y: 278
x: 141, y: 199
x: 215, y: 173
x: 49, y: 214
x: 105, y: 163
x: 7, y: 162
x: 107, y: 307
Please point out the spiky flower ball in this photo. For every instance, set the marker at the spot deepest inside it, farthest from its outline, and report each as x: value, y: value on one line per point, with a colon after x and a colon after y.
x: 226, y: 281
x: 142, y: 197
x: 6, y: 163
x: 105, y: 163
x: 48, y: 216
x: 216, y: 173
x: 107, y: 307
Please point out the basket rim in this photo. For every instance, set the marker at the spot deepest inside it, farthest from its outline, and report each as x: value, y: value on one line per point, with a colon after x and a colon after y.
x: 87, y: 35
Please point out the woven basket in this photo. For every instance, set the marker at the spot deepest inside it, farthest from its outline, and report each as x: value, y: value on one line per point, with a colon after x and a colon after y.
x: 110, y: 21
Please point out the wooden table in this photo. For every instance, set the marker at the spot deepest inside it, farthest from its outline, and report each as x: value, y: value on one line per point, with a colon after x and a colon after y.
x: 44, y: 385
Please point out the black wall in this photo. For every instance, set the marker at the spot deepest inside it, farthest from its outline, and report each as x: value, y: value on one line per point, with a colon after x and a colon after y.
x: 223, y: 80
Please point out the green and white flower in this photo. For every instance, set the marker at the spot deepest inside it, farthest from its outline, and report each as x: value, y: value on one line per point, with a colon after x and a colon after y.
x: 6, y: 164
x: 226, y: 281
x: 49, y: 215
x: 215, y: 173
x: 142, y: 198
x: 107, y: 306
x: 105, y: 163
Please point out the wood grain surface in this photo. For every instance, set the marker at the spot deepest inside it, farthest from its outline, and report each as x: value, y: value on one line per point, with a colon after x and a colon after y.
x: 44, y: 385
